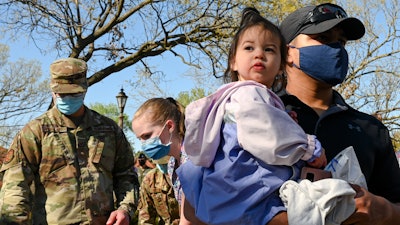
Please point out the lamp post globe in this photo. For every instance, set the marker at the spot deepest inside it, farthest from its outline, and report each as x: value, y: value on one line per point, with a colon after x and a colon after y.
x: 121, y: 100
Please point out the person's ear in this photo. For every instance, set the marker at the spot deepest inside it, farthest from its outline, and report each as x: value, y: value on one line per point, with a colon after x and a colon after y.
x: 170, y: 124
x: 289, y: 58
x: 54, y: 97
x: 233, y: 65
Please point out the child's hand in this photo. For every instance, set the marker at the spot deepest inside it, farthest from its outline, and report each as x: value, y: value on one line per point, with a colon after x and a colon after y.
x: 320, y: 161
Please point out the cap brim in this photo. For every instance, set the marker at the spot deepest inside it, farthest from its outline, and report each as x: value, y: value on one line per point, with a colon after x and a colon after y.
x: 67, y: 88
x: 353, y: 28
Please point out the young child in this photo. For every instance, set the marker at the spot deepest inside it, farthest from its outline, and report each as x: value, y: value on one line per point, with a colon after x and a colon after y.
x: 241, y: 143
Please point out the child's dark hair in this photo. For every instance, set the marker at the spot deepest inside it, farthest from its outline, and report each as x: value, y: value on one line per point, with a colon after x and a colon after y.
x: 251, y: 17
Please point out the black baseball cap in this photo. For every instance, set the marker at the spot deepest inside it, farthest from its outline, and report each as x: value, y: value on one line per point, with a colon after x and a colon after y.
x: 318, y: 19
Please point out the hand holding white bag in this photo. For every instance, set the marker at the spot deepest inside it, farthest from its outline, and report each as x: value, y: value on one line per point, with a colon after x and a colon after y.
x: 327, y: 201
x: 345, y: 166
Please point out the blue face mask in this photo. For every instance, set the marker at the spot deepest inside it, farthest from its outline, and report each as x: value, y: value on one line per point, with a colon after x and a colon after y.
x: 69, y: 104
x: 328, y: 63
x: 154, y: 148
x: 163, y: 168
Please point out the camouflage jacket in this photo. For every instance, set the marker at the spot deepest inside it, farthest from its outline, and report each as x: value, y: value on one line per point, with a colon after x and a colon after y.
x: 157, y: 199
x: 3, y: 152
x: 75, y: 172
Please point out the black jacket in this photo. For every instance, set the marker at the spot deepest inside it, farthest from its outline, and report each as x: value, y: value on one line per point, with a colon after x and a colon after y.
x: 342, y: 126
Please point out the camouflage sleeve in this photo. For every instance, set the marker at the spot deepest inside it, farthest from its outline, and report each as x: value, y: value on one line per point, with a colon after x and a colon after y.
x: 126, y: 184
x: 15, y: 206
x: 157, y: 200
x: 147, y: 211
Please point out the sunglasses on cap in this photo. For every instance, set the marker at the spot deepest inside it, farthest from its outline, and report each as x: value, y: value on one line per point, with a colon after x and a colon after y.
x: 325, y: 12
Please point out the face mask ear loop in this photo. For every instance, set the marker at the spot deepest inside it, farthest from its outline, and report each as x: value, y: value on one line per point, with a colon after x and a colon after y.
x: 298, y: 67
x: 170, y: 136
x: 159, y: 134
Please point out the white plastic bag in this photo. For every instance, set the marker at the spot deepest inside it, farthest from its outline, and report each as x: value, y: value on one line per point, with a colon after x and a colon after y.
x: 345, y: 166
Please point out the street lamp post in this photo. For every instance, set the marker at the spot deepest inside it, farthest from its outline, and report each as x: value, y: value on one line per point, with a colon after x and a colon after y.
x: 121, y: 99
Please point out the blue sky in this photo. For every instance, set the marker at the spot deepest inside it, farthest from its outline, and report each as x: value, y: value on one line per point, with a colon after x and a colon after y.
x: 106, y: 90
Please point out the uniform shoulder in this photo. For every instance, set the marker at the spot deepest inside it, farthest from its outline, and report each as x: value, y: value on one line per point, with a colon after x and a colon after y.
x: 37, y: 124
x: 150, y: 177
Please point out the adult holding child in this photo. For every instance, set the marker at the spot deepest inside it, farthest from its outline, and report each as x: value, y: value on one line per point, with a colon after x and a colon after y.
x: 317, y: 61
x: 241, y: 142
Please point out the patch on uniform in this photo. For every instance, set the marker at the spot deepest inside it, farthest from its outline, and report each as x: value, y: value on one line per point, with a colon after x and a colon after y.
x: 9, y: 156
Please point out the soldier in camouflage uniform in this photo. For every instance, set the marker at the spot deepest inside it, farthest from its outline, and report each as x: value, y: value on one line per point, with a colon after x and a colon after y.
x: 143, y: 166
x: 76, y: 158
x: 157, y: 199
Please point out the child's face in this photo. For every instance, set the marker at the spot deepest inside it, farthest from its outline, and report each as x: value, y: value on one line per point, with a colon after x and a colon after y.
x: 258, y: 56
